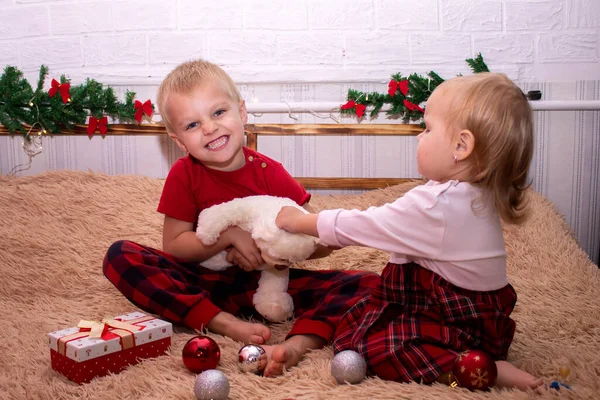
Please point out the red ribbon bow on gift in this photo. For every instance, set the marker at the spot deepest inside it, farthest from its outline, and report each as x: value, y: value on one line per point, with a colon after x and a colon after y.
x: 393, y: 86
x: 97, y: 123
x: 141, y: 109
x: 105, y: 330
x: 97, y: 328
x: 358, y: 108
x: 63, y: 88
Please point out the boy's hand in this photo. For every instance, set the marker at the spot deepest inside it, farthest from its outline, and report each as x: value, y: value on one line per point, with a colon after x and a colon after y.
x: 244, y: 253
x: 287, y: 218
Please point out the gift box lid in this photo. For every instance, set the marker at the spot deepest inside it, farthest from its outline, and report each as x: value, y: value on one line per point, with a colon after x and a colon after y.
x: 70, y: 343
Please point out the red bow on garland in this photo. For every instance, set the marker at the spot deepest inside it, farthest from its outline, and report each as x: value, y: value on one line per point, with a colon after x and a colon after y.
x: 63, y: 88
x: 393, y: 87
x: 359, y: 109
x: 412, y: 106
x: 141, y: 109
x: 97, y: 123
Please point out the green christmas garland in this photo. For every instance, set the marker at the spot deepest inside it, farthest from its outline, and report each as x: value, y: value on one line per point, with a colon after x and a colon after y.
x: 404, y: 94
x: 23, y: 108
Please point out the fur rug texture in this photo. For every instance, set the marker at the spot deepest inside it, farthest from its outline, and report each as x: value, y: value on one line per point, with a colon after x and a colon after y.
x: 56, y: 227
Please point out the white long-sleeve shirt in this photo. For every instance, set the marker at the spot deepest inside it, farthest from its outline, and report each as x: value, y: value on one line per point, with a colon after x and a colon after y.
x: 433, y: 225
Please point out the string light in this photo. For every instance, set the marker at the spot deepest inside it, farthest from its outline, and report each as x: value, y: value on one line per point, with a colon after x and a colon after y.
x: 32, y: 145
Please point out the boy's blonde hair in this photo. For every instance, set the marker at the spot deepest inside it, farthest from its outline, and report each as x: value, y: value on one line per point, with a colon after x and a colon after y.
x: 188, y: 76
x: 499, y: 116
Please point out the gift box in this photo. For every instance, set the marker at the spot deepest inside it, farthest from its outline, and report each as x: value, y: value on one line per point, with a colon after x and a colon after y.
x: 97, y: 348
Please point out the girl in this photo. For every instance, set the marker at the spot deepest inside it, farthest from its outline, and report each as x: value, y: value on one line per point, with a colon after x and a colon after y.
x: 445, y: 288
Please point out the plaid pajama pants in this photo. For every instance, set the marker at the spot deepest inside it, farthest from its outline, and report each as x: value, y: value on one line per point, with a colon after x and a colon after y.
x: 187, y: 293
x: 415, y: 323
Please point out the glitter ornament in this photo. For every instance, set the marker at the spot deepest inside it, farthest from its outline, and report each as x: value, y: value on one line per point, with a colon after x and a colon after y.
x: 211, y: 385
x: 348, y: 367
x: 201, y: 353
x: 252, y: 358
x: 475, y: 370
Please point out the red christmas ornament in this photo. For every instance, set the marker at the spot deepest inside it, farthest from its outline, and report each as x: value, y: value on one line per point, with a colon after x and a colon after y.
x: 201, y: 353
x: 141, y: 109
x: 97, y: 123
x: 63, y: 88
x: 475, y: 370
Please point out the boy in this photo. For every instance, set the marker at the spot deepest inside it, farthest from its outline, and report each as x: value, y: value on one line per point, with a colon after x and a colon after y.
x: 205, y: 115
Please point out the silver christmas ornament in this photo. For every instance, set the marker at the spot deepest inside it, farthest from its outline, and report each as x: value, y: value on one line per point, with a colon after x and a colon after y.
x: 348, y: 366
x: 212, y: 384
x: 252, y: 358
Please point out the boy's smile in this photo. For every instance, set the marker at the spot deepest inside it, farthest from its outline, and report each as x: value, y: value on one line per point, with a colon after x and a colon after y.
x: 218, y: 144
x: 209, y: 125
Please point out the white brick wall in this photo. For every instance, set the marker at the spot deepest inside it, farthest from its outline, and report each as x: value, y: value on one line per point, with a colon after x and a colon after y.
x: 118, y: 41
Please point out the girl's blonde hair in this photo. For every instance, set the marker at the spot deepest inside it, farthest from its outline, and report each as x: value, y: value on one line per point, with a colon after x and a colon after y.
x: 188, y: 76
x: 499, y: 116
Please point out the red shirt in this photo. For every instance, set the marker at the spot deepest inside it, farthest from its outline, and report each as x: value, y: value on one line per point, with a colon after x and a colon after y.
x: 191, y: 187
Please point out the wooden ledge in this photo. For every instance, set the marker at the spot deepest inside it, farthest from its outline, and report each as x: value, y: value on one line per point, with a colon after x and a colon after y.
x: 334, y: 129
x: 351, y: 183
x: 263, y: 129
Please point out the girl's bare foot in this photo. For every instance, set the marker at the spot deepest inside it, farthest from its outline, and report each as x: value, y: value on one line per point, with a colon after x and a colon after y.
x: 243, y: 331
x: 510, y: 376
x: 289, y: 353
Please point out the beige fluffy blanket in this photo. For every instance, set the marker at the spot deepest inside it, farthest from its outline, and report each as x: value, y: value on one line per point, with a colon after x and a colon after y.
x: 55, y: 228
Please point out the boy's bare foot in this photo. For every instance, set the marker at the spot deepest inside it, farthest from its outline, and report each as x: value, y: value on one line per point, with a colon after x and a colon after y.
x: 243, y: 331
x: 510, y: 376
x: 289, y: 353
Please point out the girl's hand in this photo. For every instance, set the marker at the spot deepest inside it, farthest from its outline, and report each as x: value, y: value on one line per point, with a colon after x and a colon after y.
x: 287, y: 218
x: 244, y: 253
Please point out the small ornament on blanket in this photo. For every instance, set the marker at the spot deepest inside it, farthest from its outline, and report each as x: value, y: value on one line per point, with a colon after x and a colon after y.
x: 201, y: 353
x: 256, y: 215
x: 348, y: 367
x: 252, y: 358
x: 211, y: 385
x: 475, y: 370
x: 564, y: 374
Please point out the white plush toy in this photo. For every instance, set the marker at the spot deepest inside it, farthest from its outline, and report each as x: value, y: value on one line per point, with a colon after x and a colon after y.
x: 256, y: 215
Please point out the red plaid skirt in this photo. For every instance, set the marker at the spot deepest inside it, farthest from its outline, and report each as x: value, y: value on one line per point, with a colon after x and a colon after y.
x: 415, y: 323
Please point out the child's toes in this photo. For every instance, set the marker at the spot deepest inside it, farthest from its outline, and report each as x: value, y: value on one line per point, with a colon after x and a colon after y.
x: 274, y: 368
x: 256, y: 339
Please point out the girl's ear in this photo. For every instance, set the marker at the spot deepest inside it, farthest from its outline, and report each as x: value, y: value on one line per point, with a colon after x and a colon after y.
x: 243, y: 112
x: 465, y: 143
x: 179, y: 142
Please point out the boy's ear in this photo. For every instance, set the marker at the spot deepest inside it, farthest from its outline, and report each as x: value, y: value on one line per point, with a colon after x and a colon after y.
x: 243, y: 112
x: 465, y: 143
x: 179, y: 142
